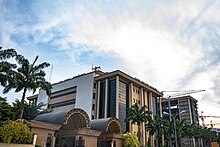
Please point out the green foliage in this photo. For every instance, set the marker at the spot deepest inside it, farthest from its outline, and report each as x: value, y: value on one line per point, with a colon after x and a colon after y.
x: 130, y: 140
x: 11, y: 112
x: 6, y: 68
x: 23, y: 76
x: 138, y: 115
x: 30, y: 110
x: 5, y: 110
x: 155, y: 127
x: 15, y: 132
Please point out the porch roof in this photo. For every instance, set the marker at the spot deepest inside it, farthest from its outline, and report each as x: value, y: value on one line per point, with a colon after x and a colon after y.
x: 53, y: 117
x: 104, y: 124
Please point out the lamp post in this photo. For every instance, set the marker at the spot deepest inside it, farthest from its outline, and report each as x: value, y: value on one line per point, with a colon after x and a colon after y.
x: 174, y: 119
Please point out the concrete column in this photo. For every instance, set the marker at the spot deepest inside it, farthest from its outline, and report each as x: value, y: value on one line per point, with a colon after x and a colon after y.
x: 143, y: 126
x: 130, y: 103
x: 98, y: 100
x: 161, y: 115
x: 150, y: 102
x: 161, y: 108
x: 142, y: 97
x: 190, y: 112
x: 35, y: 139
x: 112, y: 143
x: 117, y: 97
x: 54, y: 140
x: 178, y: 104
x: 151, y: 109
x: 106, y: 97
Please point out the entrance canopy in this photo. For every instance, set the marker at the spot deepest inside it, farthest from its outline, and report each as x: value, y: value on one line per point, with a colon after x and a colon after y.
x: 71, y: 127
x: 77, y: 117
x: 109, y: 125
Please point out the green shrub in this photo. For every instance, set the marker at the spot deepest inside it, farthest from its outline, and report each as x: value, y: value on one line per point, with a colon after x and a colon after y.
x: 15, y: 132
x: 130, y: 140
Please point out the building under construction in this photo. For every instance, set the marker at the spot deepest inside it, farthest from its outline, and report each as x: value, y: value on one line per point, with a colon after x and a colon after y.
x: 186, y: 104
x: 182, y: 108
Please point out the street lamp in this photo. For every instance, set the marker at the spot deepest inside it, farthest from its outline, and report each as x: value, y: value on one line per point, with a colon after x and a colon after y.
x: 174, y: 119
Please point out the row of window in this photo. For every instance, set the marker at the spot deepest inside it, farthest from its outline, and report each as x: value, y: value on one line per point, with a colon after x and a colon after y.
x: 136, y: 90
x: 63, y: 94
x: 63, y: 104
x: 136, y: 101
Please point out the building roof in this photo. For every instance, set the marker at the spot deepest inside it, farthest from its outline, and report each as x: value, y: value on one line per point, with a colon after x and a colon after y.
x: 179, y: 97
x: 80, y: 75
x: 62, y: 117
x: 53, y: 117
x: 104, y: 123
x: 44, y: 125
x: 132, y: 79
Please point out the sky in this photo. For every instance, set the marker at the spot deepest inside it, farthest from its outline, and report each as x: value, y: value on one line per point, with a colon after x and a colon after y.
x: 171, y: 45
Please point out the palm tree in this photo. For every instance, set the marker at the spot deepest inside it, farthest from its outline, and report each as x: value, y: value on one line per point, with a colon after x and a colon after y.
x: 27, y: 77
x: 30, y: 110
x: 6, y: 68
x: 150, y: 127
x: 167, y: 132
x: 155, y: 127
x: 138, y: 115
x: 180, y: 130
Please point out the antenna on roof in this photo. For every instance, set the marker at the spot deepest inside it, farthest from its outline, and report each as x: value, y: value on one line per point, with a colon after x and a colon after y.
x: 96, y: 68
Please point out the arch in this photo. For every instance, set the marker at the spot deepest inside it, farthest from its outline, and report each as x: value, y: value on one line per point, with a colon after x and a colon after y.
x: 114, y: 126
x: 77, y: 118
x: 108, y: 125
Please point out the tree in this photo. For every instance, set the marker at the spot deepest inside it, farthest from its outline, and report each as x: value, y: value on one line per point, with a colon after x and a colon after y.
x: 130, y: 140
x: 30, y: 110
x: 6, y: 68
x: 27, y: 76
x: 155, y: 126
x: 218, y: 139
x: 150, y: 127
x: 15, y: 132
x: 167, y: 131
x: 5, y: 110
x: 138, y: 115
x: 180, y: 130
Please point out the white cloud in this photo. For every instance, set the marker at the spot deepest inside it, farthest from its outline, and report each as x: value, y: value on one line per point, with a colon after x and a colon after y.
x: 173, y: 45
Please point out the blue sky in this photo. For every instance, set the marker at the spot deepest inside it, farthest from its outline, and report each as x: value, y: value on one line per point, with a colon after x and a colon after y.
x: 171, y: 45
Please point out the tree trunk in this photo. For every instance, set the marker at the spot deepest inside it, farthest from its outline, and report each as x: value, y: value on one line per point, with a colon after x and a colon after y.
x: 149, y: 141
x: 21, y: 110
x: 157, y: 139
x: 139, y: 134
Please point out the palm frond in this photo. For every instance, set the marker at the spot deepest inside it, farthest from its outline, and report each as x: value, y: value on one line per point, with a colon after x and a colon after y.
x: 7, y: 53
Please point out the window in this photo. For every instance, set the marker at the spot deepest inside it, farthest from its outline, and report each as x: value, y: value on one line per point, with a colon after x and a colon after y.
x: 80, y: 142
x: 133, y: 89
x: 93, y: 116
x: 133, y: 100
x: 72, y: 102
x: 93, y: 106
x: 93, y: 95
x: 138, y: 92
x: 49, y: 138
x: 95, y: 85
x: 114, y: 143
x: 63, y: 94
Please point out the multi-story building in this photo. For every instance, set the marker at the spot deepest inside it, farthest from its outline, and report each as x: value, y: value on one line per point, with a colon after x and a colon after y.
x: 187, y: 105
x: 103, y: 95
x: 76, y: 92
